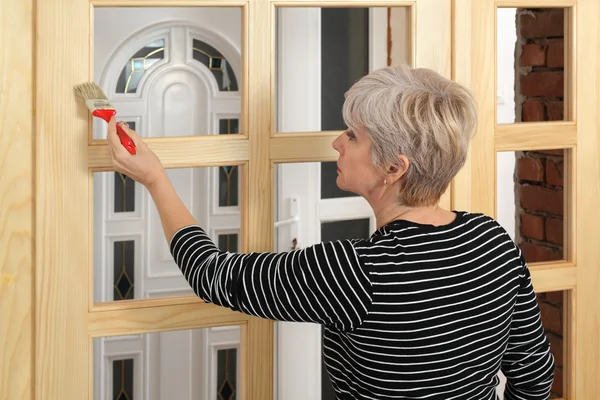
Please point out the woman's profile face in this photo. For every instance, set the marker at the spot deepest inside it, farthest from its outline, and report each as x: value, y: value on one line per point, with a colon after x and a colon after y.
x: 356, y: 172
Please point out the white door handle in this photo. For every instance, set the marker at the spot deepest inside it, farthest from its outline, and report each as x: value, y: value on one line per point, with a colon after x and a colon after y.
x: 294, y: 222
x: 295, y: 215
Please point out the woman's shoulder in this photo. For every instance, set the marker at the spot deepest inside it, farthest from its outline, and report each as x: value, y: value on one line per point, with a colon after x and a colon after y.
x: 466, y: 224
x: 401, y: 233
x: 462, y: 219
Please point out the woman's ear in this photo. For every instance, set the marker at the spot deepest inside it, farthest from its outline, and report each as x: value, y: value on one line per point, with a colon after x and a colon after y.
x: 395, y: 172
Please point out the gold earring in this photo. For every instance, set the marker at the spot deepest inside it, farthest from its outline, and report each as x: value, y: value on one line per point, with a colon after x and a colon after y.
x: 385, y: 183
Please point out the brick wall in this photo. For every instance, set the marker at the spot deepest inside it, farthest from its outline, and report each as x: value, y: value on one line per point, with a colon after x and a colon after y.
x: 539, y: 84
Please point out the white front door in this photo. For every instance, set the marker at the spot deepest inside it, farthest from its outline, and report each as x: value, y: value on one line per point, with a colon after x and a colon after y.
x: 320, y: 53
x: 168, y: 72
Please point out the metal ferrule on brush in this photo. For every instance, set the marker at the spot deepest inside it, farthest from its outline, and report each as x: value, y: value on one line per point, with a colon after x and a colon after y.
x: 98, y: 104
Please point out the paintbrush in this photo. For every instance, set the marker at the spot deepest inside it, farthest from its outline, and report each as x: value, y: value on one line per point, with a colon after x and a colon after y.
x: 97, y: 102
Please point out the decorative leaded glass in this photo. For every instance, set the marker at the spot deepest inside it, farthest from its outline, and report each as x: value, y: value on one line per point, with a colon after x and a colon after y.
x: 125, y: 188
x: 228, y: 242
x: 123, y: 379
x: 226, y: 374
x: 138, y: 64
x: 124, y: 276
x: 228, y: 175
x: 218, y: 65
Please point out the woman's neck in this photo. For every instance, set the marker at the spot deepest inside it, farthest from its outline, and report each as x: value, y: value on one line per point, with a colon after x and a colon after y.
x: 386, y: 208
x: 392, y: 212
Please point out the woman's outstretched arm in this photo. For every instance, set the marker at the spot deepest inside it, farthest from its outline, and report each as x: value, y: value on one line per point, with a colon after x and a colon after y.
x: 325, y: 283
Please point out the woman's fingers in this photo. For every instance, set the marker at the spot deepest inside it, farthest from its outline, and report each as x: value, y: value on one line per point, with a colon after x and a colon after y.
x: 132, y: 134
x: 113, y: 139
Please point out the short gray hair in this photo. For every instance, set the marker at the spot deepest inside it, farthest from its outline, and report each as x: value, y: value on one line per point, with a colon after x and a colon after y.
x: 417, y: 113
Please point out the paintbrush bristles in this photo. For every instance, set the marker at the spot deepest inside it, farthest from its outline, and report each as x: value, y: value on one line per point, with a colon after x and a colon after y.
x: 88, y: 91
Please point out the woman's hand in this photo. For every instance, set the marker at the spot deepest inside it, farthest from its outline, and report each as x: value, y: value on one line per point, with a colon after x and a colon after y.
x: 144, y: 166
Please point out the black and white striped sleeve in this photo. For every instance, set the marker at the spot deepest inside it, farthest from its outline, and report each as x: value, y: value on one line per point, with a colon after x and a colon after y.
x: 527, y: 363
x: 325, y: 283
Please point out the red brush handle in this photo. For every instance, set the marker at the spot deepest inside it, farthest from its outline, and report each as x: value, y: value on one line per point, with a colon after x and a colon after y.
x: 125, y: 140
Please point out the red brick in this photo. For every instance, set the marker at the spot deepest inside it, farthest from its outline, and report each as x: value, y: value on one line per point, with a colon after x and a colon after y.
x: 531, y: 169
x: 533, y: 55
x: 551, y: 318
x: 555, y: 298
x: 554, y: 230
x: 542, y: 199
x: 555, y: 173
x: 547, y: 23
x: 532, y: 226
x: 556, y: 348
x: 536, y: 253
x: 558, y: 152
x: 556, y: 54
x: 543, y: 84
x: 532, y: 111
x: 557, y: 385
x: 555, y: 110
x: 540, y: 296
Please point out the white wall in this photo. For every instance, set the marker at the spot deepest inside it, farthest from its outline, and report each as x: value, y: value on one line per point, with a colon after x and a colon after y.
x: 506, y: 39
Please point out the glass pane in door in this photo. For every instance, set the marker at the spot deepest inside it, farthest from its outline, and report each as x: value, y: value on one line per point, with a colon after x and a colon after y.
x: 532, y: 195
x: 184, y: 364
x: 132, y: 259
x: 321, y: 52
x: 532, y: 78
x: 177, y: 70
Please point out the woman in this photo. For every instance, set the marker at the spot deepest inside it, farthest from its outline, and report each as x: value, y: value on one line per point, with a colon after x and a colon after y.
x: 432, y: 305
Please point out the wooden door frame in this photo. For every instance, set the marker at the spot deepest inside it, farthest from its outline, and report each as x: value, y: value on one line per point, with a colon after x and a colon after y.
x: 16, y: 204
x: 29, y: 265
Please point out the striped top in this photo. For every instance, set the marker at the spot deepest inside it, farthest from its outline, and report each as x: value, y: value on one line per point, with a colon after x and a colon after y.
x: 413, y: 312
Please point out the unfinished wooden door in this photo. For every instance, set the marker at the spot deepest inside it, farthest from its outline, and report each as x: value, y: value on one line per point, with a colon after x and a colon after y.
x: 49, y: 155
x: 123, y: 341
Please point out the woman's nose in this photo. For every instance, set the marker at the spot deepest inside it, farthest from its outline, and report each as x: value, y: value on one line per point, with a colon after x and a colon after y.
x: 337, y: 144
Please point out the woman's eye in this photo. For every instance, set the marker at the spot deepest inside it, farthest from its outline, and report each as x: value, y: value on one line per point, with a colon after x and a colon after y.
x: 350, y: 135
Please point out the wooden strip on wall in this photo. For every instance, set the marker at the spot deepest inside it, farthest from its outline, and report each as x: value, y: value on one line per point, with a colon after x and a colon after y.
x: 16, y: 200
